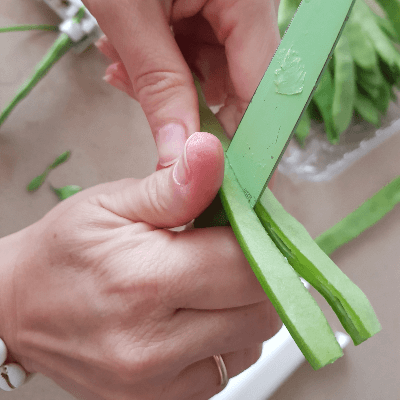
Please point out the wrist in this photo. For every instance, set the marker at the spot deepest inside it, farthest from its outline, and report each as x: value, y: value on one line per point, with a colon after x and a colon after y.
x: 12, y: 249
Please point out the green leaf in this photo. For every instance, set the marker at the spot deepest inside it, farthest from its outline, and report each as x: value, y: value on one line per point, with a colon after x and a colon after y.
x: 66, y: 191
x: 35, y: 183
x: 60, y: 159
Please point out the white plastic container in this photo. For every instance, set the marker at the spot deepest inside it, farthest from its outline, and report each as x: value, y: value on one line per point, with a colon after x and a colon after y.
x: 320, y: 160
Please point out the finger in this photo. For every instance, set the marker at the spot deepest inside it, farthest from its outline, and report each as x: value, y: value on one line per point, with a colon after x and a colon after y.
x: 206, y: 332
x: 160, y: 77
x: 105, y: 47
x: 250, y: 36
x: 172, y: 196
x: 117, y: 76
x: 201, y: 380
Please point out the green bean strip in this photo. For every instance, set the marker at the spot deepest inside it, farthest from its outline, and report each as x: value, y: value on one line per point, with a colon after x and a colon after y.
x: 22, y: 28
x: 309, y: 261
x: 59, y: 48
x: 35, y: 183
x: 66, y: 191
x: 294, y: 304
x: 344, y: 85
x: 366, y: 215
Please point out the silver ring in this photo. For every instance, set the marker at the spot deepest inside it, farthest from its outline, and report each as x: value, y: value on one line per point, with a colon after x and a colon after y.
x: 222, y: 371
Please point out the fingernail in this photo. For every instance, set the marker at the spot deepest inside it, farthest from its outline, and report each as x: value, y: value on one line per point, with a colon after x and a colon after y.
x: 181, y: 172
x: 170, y: 141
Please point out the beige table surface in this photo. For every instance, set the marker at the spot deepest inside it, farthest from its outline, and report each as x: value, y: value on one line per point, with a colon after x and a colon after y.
x: 110, y: 139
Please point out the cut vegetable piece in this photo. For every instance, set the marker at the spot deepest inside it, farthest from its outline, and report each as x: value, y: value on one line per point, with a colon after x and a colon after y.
x: 39, y: 180
x: 344, y: 85
x: 294, y: 304
x: 346, y: 299
x: 296, y: 307
x: 303, y: 128
x: 366, y: 108
x: 66, y: 191
x: 366, y: 215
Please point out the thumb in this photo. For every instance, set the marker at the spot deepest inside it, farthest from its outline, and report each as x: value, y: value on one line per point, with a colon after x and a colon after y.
x: 161, y: 79
x: 172, y: 196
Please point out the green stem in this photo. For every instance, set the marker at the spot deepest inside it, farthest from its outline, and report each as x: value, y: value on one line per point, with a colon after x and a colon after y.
x: 366, y: 215
x: 22, y: 28
x: 59, y: 48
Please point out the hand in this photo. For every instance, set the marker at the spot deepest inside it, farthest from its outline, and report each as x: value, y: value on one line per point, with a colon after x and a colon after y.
x: 227, y: 43
x: 102, y: 299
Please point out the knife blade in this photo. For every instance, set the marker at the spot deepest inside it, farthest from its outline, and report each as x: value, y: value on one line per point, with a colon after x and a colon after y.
x: 284, y: 93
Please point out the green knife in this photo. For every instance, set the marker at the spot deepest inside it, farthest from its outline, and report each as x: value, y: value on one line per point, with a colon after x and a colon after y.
x: 284, y: 93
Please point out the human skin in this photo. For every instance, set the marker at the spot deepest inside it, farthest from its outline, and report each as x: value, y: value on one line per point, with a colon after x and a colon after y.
x: 227, y: 43
x: 101, y: 298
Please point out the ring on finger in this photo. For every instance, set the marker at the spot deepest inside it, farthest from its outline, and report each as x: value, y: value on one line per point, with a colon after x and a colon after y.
x: 222, y: 371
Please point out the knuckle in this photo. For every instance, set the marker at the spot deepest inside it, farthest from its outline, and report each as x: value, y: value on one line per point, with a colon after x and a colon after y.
x: 155, y: 196
x: 159, y: 85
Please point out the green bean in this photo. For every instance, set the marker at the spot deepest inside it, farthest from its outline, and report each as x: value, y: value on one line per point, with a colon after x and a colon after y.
x: 294, y: 304
x: 309, y: 261
x: 22, y: 28
x: 303, y: 128
x: 344, y: 85
x: 286, y: 11
x: 323, y: 97
x: 61, y: 46
x: 381, y: 42
x: 392, y: 11
x: 367, y: 110
x: 361, y: 46
x: 366, y: 215
x: 66, y: 191
x: 35, y: 183
x: 386, y: 27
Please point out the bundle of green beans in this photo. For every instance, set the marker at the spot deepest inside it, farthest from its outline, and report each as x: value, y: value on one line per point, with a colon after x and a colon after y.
x: 363, y: 73
x: 280, y: 251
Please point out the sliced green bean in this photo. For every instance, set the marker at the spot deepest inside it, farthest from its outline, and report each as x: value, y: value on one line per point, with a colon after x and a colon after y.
x: 309, y: 261
x: 35, y: 183
x: 66, y: 191
x: 294, y: 304
x: 344, y: 85
x: 296, y: 307
x: 366, y: 215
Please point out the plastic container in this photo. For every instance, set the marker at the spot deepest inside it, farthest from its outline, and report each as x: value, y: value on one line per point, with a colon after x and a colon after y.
x: 320, y: 160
